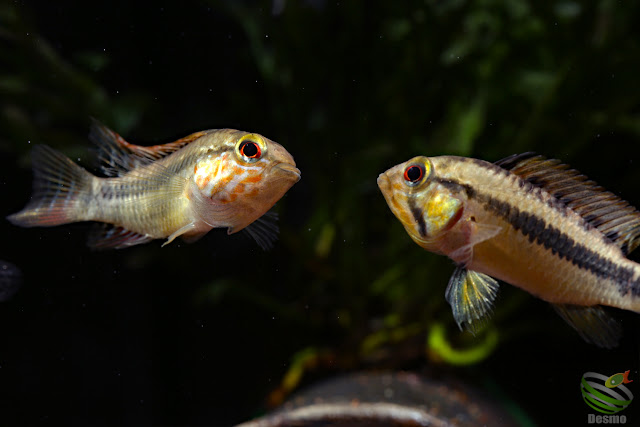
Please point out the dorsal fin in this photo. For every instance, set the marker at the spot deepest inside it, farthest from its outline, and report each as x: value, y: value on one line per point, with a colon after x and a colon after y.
x: 612, y: 216
x: 118, y: 156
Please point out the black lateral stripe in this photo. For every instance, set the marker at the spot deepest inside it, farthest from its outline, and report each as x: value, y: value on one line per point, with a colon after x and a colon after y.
x: 562, y: 245
x: 456, y: 186
x: 553, y: 239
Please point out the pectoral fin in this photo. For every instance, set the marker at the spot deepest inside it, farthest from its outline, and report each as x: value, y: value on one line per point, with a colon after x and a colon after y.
x: 470, y: 295
x: 476, y: 233
x: 264, y: 230
x: 593, y: 324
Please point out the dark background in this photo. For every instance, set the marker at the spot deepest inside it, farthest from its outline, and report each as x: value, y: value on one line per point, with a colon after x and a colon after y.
x: 203, y: 334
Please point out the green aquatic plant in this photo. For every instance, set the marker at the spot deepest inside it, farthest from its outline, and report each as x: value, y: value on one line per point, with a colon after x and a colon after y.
x: 441, y: 348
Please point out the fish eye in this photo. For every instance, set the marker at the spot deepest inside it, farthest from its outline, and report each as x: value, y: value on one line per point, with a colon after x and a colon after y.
x: 250, y: 150
x: 413, y: 174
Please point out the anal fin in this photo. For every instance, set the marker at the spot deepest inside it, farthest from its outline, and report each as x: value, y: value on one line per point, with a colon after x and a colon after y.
x: 114, y: 237
x: 593, y: 323
x: 470, y: 295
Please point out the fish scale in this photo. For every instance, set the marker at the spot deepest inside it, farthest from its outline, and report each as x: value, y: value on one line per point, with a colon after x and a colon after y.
x: 530, y: 242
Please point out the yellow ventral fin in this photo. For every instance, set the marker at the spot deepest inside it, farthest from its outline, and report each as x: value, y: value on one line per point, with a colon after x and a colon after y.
x: 470, y: 295
x: 593, y: 324
x: 612, y: 216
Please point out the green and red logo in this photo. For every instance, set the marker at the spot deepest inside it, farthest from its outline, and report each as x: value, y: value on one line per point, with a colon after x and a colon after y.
x: 607, y: 395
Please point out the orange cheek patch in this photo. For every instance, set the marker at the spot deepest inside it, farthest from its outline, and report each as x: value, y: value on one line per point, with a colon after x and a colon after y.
x: 253, y: 179
x: 208, y: 172
x: 239, y: 189
x: 216, y: 168
x: 204, y: 181
x: 222, y: 182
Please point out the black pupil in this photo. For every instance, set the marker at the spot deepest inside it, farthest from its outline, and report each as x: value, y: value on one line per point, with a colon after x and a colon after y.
x: 414, y: 173
x: 250, y: 149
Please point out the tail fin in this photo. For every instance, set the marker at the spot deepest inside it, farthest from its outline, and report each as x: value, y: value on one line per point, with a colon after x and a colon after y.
x: 59, y: 187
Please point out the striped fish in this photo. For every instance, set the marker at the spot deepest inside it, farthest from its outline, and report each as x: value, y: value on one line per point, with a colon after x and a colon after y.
x: 531, y: 222
x: 221, y: 178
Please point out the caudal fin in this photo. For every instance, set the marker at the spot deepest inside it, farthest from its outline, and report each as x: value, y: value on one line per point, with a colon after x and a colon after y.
x: 60, y: 188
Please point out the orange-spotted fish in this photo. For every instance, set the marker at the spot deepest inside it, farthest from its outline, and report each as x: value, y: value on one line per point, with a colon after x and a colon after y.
x: 211, y: 179
x: 528, y: 221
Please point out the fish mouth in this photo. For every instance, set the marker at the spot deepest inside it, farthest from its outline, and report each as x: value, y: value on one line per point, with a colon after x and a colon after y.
x: 289, y: 168
x: 383, y: 182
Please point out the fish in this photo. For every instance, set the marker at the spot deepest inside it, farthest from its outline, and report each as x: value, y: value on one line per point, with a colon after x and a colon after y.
x: 526, y: 220
x: 219, y: 178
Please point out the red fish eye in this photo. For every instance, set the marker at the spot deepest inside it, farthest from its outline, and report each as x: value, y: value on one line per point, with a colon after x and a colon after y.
x: 250, y: 150
x: 413, y: 174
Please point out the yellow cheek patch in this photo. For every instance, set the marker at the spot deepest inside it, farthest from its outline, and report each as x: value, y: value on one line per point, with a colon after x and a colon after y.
x: 442, y: 212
